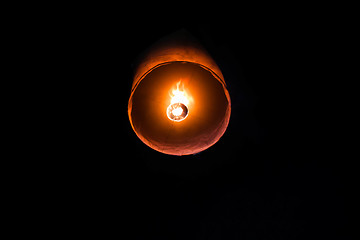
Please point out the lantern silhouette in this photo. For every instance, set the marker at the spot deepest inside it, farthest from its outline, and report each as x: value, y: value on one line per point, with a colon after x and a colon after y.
x: 179, y: 104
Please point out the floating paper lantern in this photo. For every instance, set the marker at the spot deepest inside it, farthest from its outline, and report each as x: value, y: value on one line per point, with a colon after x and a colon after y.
x: 179, y: 104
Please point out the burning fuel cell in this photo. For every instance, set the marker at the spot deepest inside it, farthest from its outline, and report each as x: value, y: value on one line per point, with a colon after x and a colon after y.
x: 178, y: 108
x: 177, y: 112
x: 179, y: 103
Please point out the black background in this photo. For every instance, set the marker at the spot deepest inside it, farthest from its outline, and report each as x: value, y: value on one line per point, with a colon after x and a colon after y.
x: 275, y: 174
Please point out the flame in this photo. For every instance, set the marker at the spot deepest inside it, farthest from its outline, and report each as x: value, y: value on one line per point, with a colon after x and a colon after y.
x: 179, y: 103
x: 177, y: 111
x: 179, y: 95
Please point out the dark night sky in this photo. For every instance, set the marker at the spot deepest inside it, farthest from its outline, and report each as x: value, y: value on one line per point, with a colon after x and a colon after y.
x: 273, y: 175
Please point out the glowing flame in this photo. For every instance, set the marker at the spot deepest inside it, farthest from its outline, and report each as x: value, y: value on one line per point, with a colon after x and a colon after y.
x: 177, y: 111
x: 179, y: 95
x: 179, y: 103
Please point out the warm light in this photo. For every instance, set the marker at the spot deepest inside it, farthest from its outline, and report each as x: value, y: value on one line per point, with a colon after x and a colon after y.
x: 179, y: 95
x: 179, y: 103
x: 177, y: 111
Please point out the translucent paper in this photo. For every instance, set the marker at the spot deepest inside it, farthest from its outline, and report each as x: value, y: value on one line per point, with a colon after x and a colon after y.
x: 175, y: 59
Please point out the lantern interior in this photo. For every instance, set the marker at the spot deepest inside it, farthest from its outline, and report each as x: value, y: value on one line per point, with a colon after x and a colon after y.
x: 208, y: 112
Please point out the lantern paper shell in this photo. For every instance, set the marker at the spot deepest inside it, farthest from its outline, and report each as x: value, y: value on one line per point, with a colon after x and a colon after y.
x: 179, y: 65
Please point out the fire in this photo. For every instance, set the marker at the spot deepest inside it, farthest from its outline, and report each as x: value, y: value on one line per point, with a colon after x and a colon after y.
x: 179, y: 103
x: 177, y: 111
x: 179, y: 95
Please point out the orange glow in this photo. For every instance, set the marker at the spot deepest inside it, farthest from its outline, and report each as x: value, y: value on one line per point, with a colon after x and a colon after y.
x: 177, y: 111
x: 180, y: 100
x: 180, y: 95
x: 179, y: 104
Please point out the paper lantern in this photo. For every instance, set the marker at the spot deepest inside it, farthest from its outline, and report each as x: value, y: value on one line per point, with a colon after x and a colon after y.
x: 179, y: 104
